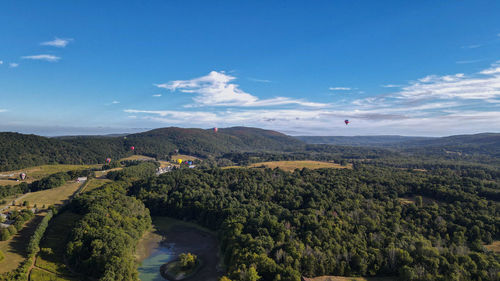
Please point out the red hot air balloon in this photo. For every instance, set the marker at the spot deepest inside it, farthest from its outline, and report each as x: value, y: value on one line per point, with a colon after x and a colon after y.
x: 216, y: 129
x: 346, y: 122
x: 108, y: 160
x: 132, y: 148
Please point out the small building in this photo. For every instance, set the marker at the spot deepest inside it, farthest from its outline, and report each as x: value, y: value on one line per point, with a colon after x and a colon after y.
x: 81, y: 179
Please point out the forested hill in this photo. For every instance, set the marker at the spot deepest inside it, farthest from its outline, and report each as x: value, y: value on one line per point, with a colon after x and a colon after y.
x: 486, y: 144
x: 388, y: 140
x: 18, y: 150
x: 200, y: 142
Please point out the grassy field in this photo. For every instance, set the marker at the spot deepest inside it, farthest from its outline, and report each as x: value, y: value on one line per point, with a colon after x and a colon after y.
x: 340, y: 278
x: 54, y: 196
x: 292, y: 165
x: 184, y: 157
x: 95, y: 183
x: 53, y: 244
x: 495, y: 246
x: 138, y: 157
x: 14, y: 249
x: 38, y: 172
x: 41, y: 275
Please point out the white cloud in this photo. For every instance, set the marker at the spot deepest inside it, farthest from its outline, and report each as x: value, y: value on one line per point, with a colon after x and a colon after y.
x: 50, y: 58
x: 472, y: 46
x: 259, y: 80
x: 339, y: 89
x: 467, y: 61
x: 1, y: 62
x: 115, y: 102
x: 217, y: 89
x: 57, y: 42
x: 3, y: 110
x: 391, y: 86
x: 157, y: 95
x: 432, y: 105
x: 13, y: 65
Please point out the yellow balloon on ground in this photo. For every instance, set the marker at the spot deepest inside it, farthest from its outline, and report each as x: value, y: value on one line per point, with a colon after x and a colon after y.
x: 179, y: 161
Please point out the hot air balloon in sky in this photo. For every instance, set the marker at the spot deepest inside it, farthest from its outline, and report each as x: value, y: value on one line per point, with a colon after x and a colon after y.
x: 216, y: 129
x: 179, y: 161
x: 346, y: 122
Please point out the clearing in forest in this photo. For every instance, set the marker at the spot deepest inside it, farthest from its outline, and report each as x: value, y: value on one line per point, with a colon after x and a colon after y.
x: 14, y: 249
x: 39, y: 172
x: 495, y: 246
x: 95, y: 183
x: 292, y: 165
x: 50, y: 258
x: 53, y: 196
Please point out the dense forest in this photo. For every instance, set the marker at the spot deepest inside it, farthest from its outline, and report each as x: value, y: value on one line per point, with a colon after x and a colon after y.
x: 340, y: 222
x: 102, y: 243
x: 18, y: 151
x: 413, y: 209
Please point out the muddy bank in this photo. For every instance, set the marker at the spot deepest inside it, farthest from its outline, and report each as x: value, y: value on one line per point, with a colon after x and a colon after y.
x: 171, y: 238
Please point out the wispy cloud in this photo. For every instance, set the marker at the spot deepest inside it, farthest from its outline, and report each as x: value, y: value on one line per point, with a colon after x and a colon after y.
x: 1, y: 61
x: 391, y: 86
x: 157, y: 95
x: 115, y: 102
x: 339, y: 89
x: 218, y: 89
x: 13, y: 65
x: 471, y: 46
x: 50, y: 58
x: 468, y: 61
x: 431, y: 105
x: 3, y: 110
x: 57, y: 42
x: 259, y: 80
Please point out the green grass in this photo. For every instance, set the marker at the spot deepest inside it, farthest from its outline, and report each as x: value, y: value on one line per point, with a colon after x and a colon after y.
x: 40, y: 275
x: 14, y: 249
x: 95, y: 183
x: 53, y: 243
x: 38, y: 172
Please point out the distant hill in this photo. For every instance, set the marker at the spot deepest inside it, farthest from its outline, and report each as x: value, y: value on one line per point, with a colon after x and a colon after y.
x: 200, y: 142
x: 487, y: 144
x: 461, y: 145
x: 360, y: 140
x: 20, y: 150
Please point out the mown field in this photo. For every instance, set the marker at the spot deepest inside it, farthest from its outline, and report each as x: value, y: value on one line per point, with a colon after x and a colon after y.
x: 292, y: 165
x: 495, y: 246
x: 95, y: 183
x: 50, y: 258
x: 38, y: 172
x: 14, y: 249
x: 54, y: 196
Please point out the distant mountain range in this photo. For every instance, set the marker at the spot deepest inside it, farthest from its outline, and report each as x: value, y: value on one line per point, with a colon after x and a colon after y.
x: 20, y: 150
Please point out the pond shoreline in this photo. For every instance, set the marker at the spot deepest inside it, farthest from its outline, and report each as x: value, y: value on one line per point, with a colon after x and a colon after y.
x: 171, y: 237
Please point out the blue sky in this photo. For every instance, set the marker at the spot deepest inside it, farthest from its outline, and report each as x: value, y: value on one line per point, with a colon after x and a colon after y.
x: 300, y: 67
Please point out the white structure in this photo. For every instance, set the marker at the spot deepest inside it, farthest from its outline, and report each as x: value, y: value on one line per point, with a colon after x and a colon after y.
x: 81, y: 179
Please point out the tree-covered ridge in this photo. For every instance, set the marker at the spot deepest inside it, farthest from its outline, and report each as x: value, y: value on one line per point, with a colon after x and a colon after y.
x: 19, y: 151
x: 103, y: 242
x: 339, y: 222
